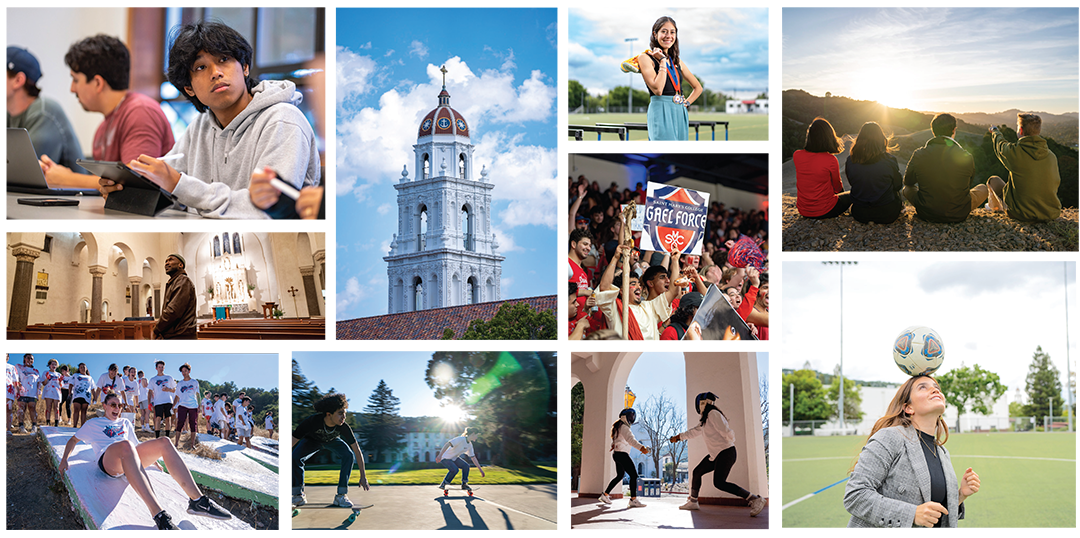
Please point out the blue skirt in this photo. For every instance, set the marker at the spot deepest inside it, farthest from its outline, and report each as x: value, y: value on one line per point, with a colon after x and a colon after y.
x: 668, y: 120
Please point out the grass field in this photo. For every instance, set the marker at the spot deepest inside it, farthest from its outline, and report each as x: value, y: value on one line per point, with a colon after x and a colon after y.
x: 495, y: 475
x: 741, y: 127
x: 1028, y: 479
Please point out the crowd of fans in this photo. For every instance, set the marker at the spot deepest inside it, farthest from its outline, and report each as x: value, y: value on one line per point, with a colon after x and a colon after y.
x: 665, y: 289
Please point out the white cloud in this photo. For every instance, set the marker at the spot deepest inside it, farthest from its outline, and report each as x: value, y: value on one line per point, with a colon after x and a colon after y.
x: 355, y: 74
x: 385, y: 208
x: 388, y: 53
x: 365, y: 46
x: 506, y: 241
x: 374, y: 143
x: 352, y: 294
x: 504, y: 286
x: 418, y: 49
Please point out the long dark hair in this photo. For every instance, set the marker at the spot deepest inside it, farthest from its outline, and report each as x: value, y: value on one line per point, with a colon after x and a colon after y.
x: 871, y: 144
x: 705, y: 413
x: 821, y: 138
x: 673, y: 52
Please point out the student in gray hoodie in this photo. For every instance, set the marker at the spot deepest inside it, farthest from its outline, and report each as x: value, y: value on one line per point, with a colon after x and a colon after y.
x: 252, y: 128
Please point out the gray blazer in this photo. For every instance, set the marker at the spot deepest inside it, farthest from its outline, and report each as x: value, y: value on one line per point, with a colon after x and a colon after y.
x: 890, y: 481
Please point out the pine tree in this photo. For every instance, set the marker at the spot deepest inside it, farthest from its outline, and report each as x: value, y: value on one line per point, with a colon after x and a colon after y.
x: 304, y: 395
x: 382, y: 428
x: 1043, y: 386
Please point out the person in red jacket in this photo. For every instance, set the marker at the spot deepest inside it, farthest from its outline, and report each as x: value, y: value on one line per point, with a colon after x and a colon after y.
x: 819, y: 192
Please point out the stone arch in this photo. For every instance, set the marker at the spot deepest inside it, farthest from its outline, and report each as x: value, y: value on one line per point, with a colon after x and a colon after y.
x: 84, y: 310
x: 79, y: 254
x: 463, y: 166
x: 425, y: 166
x: 418, y: 294
x: 304, y: 250
x: 472, y: 291
x: 468, y: 227
x: 455, y: 289
x: 489, y: 290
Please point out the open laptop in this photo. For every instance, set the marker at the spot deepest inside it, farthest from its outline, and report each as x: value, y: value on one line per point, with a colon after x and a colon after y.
x: 23, y: 171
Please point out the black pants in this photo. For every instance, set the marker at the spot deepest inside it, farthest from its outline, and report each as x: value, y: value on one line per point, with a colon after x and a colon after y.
x: 720, y: 470
x: 623, y: 464
x: 886, y: 213
x: 843, y: 202
x: 65, y: 399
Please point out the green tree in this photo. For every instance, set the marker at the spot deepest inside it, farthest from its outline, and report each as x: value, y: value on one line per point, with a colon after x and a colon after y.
x: 970, y: 389
x: 575, y: 93
x: 810, y: 401
x: 382, y: 427
x: 1016, y: 409
x: 617, y: 97
x: 577, y: 425
x: 852, y: 401
x: 511, y: 395
x: 304, y: 394
x: 514, y: 321
x: 1043, y: 386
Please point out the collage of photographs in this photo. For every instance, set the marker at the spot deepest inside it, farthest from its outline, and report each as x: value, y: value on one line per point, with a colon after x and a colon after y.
x: 920, y: 180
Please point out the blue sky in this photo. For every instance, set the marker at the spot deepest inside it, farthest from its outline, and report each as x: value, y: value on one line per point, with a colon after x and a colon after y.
x: 502, y: 75
x: 656, y: 372
x: 881, y: 299
x: 358, y: 373
x: 727, y: 48
x: 936, y: 60
x: 245, y: 370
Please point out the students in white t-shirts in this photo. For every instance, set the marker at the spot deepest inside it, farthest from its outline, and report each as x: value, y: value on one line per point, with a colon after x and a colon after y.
x: 145, y: 406
x: 111, y: 381
x: 50, y: 391
x: 219, y: 421
x: 206, y: 406
x: 65, y: 392
x: 119, y: 454
x: 451, y: 454
x: 162, y: 393
x: 13, y: 389
x: 187, y: 406
x: 30, y: 380
x: 131, y: 390
x: 82, y: 389
x: 720, y: 442
x: 268, y: 424
x: 244, y: 423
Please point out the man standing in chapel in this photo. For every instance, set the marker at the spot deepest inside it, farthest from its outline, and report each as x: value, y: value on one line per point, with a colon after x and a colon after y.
x: 177, y: 319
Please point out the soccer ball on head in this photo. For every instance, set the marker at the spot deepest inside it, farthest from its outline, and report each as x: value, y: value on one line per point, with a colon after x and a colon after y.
x: 918, y: 350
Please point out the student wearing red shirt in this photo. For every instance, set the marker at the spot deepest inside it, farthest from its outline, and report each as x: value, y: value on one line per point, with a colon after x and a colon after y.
x: 820, y: 193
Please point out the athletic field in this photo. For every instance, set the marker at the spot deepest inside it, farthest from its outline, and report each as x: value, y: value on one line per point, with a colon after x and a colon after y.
x: 740, y: 127
x: 1028, y: 479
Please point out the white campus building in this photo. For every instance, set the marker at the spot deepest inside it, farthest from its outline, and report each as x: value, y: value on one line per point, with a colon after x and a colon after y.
x: 444, y: 253
x: 747, y: 106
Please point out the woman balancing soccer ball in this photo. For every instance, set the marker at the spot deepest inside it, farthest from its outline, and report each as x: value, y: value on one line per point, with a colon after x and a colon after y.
x: 621, y: 441
x: 119, y: 454
x: 720, y: 441
x: 903, y: 460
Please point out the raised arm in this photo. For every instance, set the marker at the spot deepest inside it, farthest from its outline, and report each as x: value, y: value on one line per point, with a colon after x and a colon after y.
x: 609, y: 272
x: 575, y: 206
x: 655, y: 77
x: 673, y: 290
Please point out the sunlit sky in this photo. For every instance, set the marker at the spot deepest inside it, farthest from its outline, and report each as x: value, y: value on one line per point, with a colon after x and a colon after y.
x: 246, y: 370
x: 656, y: 372
x: 936, y: 60
x: 993, y: 314
x: 727, y: 48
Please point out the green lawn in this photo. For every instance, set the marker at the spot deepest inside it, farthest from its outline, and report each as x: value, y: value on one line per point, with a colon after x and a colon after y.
x: 741, y: 127
x: 1017, y: 489
x: 495, y: 475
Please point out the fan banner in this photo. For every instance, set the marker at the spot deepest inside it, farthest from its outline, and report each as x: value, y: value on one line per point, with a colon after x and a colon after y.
x: 675, y: 219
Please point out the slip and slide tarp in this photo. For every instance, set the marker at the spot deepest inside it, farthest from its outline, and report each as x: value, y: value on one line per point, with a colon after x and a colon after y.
x: 108, y: 503
x: 234, y: 475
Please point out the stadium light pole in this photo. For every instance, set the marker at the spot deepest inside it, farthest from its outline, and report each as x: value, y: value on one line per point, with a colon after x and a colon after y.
x: 1068, y: 365
x: 791, y: 411
x: 630, y: 87
x: 840, y: 407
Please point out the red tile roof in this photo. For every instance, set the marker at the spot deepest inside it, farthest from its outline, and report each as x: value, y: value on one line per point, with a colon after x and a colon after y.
x: 430, y: 324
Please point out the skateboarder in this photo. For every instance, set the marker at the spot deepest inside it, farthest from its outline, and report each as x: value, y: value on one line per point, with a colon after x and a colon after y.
x: 451, y: 454
x: 327, y: 429
x: 621, y: 441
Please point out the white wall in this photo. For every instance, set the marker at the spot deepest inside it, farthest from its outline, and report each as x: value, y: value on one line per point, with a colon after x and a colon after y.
x: 47, y: 34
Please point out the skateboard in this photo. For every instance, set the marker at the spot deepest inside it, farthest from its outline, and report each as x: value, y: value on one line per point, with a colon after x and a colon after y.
x: 446, y: 491
x: 348, y: 521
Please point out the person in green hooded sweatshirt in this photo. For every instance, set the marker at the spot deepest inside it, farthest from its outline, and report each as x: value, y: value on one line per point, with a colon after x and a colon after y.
x: 1031, y: 192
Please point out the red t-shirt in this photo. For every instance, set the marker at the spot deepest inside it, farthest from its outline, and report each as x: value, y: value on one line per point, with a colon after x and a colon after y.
x: 136, y: 127
x: 817, y: 181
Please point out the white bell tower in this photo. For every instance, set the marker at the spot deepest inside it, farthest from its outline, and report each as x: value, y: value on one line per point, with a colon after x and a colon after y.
x: 444, y: 253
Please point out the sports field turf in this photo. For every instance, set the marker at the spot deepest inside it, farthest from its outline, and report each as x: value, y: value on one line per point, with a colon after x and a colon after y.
x: 741, y: 126
x: 495, y: 475
x: 1028, y: 479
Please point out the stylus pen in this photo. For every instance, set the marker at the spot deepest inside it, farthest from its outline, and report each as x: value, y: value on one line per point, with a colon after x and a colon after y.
x: 172, y: 157
x: 285, y: 188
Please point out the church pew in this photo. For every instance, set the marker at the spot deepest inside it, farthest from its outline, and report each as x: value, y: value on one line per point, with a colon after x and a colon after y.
x: 57, y: 334
x: 260, y: 335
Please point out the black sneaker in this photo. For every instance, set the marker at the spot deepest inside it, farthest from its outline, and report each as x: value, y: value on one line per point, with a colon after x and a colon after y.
x: 203, y: 506
x: 164, y: 522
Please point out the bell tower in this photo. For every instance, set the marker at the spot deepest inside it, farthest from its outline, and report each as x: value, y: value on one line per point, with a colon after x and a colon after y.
x: 444, y: 253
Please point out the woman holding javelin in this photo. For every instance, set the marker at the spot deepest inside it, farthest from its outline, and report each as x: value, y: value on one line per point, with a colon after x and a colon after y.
x: 664, y: 73
x: 119, y: 454
x: 720, y: 441
x: 621, y: 441
x: 904, y: 477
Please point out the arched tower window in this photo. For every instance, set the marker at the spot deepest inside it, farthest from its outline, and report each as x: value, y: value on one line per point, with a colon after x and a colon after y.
x: 236, y: 243
x: 472, y: 291
x: 104, y: 310
x: 467, y: 228
x: 418, y: 294
x: 84, y: 311
x: 217, y: 246
x: 461, y: 166
x: 426, y: 170
x: 423, y: 228
x: 225, y: 243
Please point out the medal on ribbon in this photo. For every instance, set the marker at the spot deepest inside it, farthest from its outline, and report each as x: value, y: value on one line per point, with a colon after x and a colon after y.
x: 673, y: 76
